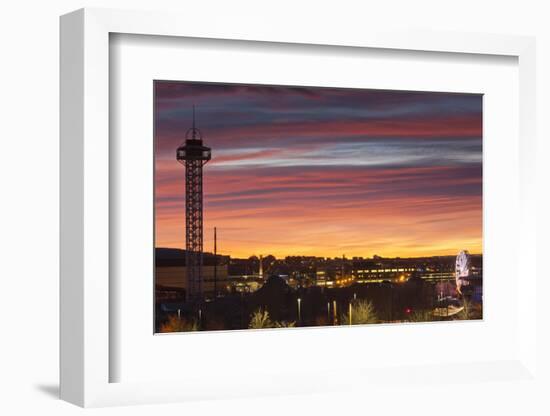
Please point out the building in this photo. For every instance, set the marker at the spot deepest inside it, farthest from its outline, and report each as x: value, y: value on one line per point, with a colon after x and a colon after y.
x: 176, y: 277
x: 171, y: 272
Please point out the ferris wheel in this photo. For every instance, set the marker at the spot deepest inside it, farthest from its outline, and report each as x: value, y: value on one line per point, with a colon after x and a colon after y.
x: 462, y: 270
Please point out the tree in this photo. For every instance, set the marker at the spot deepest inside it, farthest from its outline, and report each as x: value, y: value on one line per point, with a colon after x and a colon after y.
x: 260, y: 319
x: 421, y: 316
x: 285, y: 324
x: 470, y: 311
x: 176, y: 324
x: 362, y: 312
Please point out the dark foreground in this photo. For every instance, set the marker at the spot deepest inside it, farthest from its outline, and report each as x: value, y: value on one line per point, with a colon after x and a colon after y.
x: 277, y: 305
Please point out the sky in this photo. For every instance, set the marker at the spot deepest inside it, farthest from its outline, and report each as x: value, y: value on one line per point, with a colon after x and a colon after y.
x: 323, y: 171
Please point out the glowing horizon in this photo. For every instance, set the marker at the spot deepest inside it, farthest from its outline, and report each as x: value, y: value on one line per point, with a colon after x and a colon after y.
x: 298, y: 253
x: 324, y: 172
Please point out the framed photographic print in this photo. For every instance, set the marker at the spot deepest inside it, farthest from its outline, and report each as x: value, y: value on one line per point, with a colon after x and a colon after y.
x: 320, y: 212
x: 358, y: 199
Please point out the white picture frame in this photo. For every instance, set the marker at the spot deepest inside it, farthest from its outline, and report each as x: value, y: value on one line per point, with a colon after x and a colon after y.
x: 85, y: 352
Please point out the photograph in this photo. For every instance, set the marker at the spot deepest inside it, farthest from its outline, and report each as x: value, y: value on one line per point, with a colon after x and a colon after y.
x: 283, y: 206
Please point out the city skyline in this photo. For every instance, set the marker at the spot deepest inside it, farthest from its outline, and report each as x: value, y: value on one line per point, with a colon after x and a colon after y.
x: 324, y: 172
x: 375, y: 256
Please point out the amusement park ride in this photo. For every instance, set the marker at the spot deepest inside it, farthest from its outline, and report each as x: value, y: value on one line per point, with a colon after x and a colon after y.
x: 451, y: 305
x: 462, y: 271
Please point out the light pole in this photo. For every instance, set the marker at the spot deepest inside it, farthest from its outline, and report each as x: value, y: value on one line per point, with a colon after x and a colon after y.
x: 299, y: 301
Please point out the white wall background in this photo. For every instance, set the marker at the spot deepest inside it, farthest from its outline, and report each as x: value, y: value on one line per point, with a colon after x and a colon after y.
x: 29, y: 185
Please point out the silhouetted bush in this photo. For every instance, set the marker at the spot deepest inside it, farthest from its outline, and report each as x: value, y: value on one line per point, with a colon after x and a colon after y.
x: 362, y: 312
x: 260, y: 319
x: 176, y: 324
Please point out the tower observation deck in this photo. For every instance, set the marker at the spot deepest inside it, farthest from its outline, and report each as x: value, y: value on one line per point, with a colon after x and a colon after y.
x: 193, y: 155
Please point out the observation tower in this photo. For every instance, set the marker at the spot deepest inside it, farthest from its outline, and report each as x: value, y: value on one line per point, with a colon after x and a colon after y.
x: 193, y: 155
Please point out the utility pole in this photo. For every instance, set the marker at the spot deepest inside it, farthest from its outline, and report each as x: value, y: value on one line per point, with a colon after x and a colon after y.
x: 215, y: 263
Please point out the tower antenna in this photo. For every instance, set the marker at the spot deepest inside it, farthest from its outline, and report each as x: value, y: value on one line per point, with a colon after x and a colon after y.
x: 194, y: 128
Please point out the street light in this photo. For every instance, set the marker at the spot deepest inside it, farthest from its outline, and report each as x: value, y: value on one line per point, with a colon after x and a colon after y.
x: 299, y: 310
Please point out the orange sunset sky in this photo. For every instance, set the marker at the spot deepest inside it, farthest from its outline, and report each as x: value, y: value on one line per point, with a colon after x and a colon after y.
x: 323, y: 171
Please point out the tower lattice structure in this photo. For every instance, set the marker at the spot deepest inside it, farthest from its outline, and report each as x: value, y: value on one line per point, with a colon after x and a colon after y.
x: 193, y: 155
